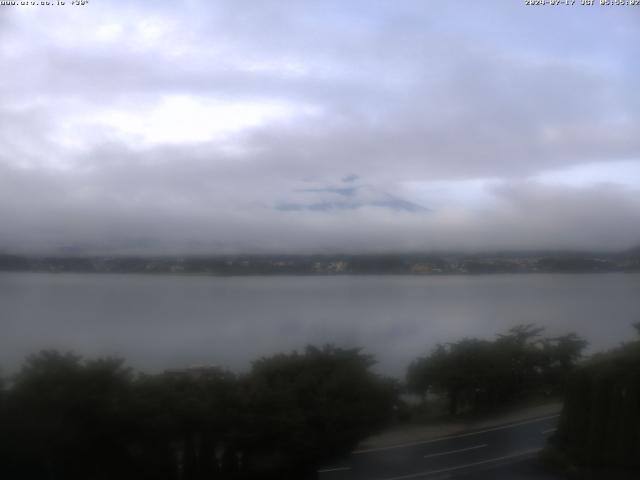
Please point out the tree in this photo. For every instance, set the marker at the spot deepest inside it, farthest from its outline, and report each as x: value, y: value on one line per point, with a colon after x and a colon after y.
x: 479, y: 374
x: 185, y: 419
x: 68, y: 418
x: 600, y: 420
x: 307, y: 407
x: 459, y: 370
x: 561, y: 354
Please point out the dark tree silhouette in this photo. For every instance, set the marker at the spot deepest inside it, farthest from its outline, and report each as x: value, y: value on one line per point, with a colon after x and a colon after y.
x: 479, y: 374
x: 68, y: 418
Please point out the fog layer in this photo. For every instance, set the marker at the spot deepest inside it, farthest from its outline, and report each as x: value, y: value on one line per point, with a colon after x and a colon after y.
x: 214, y: 127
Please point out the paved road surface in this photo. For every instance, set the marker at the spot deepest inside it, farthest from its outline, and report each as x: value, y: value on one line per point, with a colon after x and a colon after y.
x: 501, y: 452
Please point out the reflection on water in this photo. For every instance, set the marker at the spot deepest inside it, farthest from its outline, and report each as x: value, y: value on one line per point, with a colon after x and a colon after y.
x: 157, y: 322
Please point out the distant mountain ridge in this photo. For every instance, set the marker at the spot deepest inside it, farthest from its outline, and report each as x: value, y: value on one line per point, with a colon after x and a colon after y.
x: 350, y: 198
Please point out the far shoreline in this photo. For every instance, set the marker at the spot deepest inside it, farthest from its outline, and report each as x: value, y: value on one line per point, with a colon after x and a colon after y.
x: 418, y: 264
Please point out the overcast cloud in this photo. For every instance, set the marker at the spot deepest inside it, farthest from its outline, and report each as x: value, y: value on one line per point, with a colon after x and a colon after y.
x: 317, y: 126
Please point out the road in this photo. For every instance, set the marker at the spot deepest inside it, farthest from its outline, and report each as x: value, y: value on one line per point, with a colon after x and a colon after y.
x: 506, y: 451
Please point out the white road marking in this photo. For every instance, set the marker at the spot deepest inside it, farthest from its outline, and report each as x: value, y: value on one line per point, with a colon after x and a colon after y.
x: 460, y: 467
x: 450, y: 452
x: 451, y: 437
x: 336, y: 469
x: 548, y: 430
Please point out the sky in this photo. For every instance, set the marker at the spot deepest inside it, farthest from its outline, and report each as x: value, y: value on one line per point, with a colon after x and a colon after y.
x: 222, y: 127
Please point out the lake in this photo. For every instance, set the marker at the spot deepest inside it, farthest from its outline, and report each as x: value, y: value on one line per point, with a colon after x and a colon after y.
x: 159, y: 322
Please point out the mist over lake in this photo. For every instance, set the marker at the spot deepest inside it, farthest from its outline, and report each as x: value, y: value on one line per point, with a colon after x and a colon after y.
x: 159, y: 322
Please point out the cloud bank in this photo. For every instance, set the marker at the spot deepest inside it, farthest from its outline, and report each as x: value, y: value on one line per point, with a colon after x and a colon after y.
x: 214, y: 127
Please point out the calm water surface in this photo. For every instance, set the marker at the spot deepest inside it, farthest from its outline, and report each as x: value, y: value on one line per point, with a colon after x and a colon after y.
x: 157, y: 322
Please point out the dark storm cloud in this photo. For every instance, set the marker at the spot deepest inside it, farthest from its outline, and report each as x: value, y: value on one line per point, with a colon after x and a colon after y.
x: 299, y: 126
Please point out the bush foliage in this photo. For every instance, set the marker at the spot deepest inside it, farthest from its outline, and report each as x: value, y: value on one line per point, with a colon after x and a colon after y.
x: 66, y: 418
x: 477, y: 375
x: 600, y: 423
